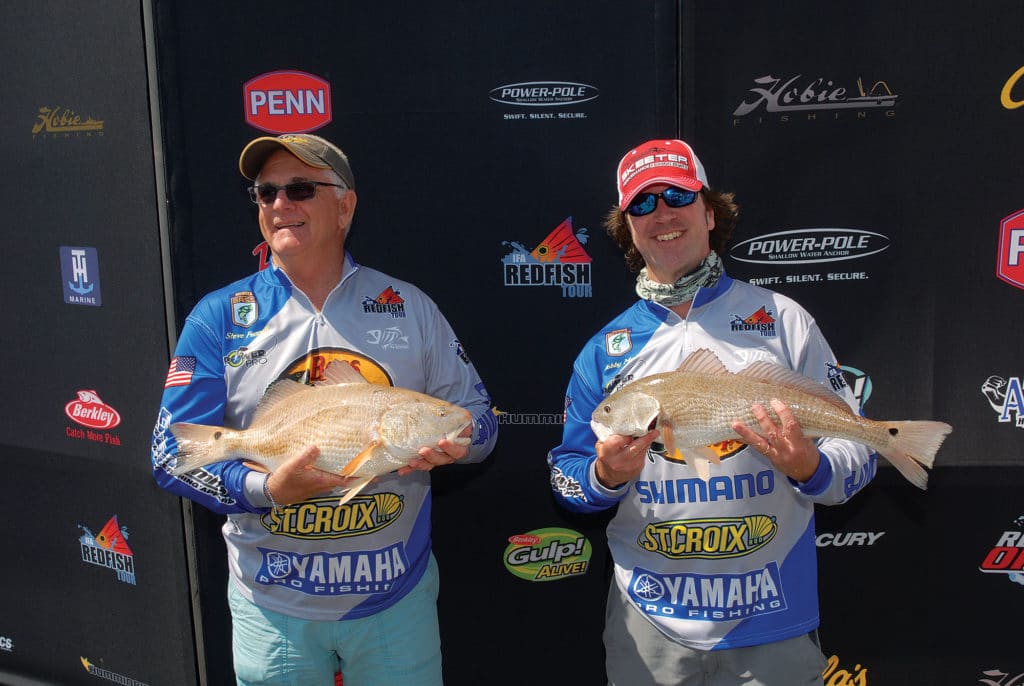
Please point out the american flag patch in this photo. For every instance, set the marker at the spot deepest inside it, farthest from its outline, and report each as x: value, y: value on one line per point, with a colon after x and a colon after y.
x: 180, y: 371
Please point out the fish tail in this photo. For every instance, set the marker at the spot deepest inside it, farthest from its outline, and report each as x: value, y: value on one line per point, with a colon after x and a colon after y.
x: 913, y: 447
x: 198, y: 446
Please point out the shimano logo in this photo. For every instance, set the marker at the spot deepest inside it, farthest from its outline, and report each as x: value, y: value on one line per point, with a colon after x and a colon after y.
x: 543, y: 93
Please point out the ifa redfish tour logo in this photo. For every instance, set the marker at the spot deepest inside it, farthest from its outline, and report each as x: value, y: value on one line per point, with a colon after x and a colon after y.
x: 287, y: 102
x: 109, y: 548
x: 761, y: 322
x: 1010, y: 265
x: 388, y: 301
x: 559, y: 260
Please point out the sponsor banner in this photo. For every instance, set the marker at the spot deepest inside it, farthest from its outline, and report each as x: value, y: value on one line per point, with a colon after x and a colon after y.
x: 540, y: 96
x: 1010, y: 264
x: 559, y: 261
x: 63, y: 122
x: 109, y: 548
x: 793, y: 97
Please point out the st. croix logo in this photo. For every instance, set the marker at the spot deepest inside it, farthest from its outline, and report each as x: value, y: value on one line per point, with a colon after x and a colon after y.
x: 708, y: 539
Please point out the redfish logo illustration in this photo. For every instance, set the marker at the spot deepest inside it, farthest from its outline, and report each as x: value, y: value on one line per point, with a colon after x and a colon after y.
x: 558, y: 260
x: 761, y: 322
x: 389, y: 301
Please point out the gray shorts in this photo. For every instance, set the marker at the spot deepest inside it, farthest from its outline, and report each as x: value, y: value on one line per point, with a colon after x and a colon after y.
x: 638, y: 654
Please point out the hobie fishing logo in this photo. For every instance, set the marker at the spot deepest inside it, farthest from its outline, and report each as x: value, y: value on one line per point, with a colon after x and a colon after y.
x: 559, y: 261
x: 109, y: 548
x: 807, y: 98
x: 80, y: 275
x: 1006, y: 397
x: 61, y: 122
x: 548, y: 554
x: 1007, y: 555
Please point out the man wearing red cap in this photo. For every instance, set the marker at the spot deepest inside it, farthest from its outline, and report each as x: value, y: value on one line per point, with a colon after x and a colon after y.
x: 715, y: 565
x: 317, y: 586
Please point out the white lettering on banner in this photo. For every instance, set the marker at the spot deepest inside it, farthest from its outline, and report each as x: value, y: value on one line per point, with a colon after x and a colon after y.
x: 278, y: 102
x: 1016, y: 246
x: 325, y: 574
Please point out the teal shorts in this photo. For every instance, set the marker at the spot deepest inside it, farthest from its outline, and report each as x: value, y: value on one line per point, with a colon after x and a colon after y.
x: 400, y: 645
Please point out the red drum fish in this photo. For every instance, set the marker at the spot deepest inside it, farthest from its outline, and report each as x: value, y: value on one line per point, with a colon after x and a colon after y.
x: 694, y: 407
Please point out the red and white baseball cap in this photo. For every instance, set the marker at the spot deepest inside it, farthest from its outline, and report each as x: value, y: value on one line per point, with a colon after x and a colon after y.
x: 671, y: 162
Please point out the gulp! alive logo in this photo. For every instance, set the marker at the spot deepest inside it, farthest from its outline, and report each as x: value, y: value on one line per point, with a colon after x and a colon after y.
x: 287, y: 102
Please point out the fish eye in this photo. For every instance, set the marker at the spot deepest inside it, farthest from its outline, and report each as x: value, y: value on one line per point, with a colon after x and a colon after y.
x: 607, y: 409
x: 216, y: 435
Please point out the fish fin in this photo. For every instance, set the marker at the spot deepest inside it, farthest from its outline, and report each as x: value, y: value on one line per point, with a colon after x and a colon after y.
x: 277, y: 392
x: 198, y: 446
x: 703, y: 361
x: 351, y: 492
x: 356, y: 462
x: 668, y: 438
x: 700, y: 459
x: 256, y: 466
x: 777, y: 375
x: 340, y: 372
x: 914, y: 447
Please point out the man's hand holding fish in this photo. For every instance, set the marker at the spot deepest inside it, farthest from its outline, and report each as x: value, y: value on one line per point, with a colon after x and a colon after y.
x: 621, y: 458
x: 784, y: 444
x: 446, y: 452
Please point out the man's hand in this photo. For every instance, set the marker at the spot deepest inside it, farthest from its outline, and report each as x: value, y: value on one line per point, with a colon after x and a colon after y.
x: 297, y: 479
x: 784, y: 444
x: 445, y: 452
x: 621, y: 458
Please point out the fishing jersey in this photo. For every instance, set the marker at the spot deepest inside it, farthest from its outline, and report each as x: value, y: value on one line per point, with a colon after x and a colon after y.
x: 315, y: 560
x: 730, y: 562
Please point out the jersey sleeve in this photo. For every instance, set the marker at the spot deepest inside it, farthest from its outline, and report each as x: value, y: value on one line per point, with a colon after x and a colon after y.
x: 846, y: 467
x: 195, y: 392
x: 452, y: 376
x: 571, y: 464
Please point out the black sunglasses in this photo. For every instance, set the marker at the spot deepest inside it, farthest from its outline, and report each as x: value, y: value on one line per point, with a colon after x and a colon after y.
x: 266, y: 193
x: 644, y: 203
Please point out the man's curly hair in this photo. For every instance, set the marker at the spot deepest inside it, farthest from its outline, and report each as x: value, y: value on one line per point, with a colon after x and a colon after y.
x: 726, y: 214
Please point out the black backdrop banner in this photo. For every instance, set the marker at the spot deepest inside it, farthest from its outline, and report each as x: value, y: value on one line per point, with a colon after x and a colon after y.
x: 875, y: 164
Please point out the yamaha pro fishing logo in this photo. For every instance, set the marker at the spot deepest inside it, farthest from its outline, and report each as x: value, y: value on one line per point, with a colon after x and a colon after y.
x: 109, y: 549
x: 1007, y: 555
x: 708, y: 597
x: 558, y: 261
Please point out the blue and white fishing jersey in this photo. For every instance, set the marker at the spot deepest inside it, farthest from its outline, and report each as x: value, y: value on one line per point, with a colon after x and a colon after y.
x: 314, y: 559
x: 730, y: 562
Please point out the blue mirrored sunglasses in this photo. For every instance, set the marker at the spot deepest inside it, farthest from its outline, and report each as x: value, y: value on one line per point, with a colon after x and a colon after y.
x: 644, y: 203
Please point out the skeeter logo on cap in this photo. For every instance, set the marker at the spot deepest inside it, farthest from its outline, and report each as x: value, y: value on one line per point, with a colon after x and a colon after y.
x: 287, y: 102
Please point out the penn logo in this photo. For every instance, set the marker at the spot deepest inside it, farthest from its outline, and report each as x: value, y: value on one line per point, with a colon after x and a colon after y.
x: 287, y: 102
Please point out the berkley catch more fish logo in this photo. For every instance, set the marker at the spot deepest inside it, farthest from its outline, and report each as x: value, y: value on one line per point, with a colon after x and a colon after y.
x: 548, y: 554
x: 89, y: 410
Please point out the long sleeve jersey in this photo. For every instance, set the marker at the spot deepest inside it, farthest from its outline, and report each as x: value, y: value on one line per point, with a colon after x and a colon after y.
x: 315, y: 560
x: 730, y: 562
